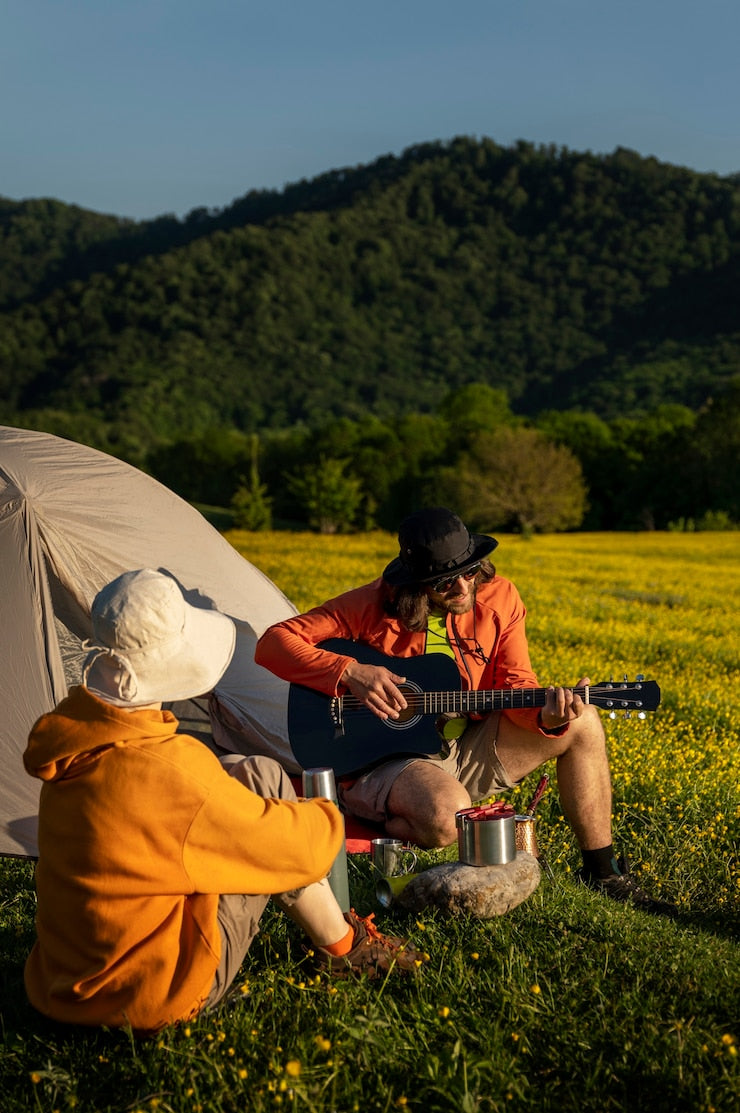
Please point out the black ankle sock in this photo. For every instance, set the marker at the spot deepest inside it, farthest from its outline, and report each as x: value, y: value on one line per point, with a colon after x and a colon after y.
x: 600, y: 863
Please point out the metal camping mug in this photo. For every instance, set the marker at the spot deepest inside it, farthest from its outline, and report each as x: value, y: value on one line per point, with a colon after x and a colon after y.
x: 391, y: 858
x: 321, y: 782
x: 486, y: 835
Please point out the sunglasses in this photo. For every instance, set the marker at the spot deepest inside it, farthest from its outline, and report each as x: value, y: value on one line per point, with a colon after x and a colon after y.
x: 441, y: 586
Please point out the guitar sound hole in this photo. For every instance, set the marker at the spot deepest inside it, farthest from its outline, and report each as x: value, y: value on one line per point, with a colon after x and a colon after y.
x: 411, y: 714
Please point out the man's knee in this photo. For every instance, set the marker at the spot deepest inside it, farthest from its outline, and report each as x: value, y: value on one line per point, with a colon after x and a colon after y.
x: 426, y: 798
x: 591, y: 720
x: 587, y: 731
x: 442, y: 820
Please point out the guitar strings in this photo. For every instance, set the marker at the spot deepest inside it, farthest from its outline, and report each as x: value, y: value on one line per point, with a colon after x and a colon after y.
x: 500, y: 699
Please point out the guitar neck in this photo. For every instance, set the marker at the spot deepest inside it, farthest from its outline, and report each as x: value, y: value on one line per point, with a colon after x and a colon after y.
x: 437, y: 703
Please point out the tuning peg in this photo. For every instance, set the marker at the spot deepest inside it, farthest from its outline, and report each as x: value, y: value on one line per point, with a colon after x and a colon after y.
x: 640, y: 677
x: 612, y: 714
x: 641, y: 715
x: 628, y: 714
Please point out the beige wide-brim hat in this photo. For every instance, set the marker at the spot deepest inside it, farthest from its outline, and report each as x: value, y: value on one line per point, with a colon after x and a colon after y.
x: 150, y: 645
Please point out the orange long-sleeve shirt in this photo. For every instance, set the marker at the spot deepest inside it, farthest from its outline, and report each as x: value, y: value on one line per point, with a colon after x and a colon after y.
x: 489, y: 642
x: 140, y: 830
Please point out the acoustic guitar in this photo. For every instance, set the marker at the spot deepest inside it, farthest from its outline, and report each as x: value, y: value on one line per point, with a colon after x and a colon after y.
x: 341, y: 733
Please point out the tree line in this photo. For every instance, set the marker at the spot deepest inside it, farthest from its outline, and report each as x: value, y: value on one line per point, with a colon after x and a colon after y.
x: 670, y: 469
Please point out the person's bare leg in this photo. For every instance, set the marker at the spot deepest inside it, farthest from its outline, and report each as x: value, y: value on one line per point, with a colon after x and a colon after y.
x: 422, y: 805
x: 316, y: 911
x: 584, y: 782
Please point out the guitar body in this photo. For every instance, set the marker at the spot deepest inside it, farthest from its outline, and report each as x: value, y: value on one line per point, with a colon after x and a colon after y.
x: 361, y: 739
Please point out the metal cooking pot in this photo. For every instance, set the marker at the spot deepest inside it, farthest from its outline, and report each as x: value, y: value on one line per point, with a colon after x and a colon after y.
x: 486, y: 835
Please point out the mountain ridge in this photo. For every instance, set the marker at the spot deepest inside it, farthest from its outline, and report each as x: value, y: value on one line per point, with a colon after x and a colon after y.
x: 604, y: 283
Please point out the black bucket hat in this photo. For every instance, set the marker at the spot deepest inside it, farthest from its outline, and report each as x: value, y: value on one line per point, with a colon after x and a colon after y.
x: 434, y: 543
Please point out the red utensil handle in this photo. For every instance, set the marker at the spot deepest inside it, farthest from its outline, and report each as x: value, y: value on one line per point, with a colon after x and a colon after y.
x: 539, y: 792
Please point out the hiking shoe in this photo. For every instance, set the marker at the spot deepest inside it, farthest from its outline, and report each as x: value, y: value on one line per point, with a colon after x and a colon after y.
x: 373, y: 953
x: 623, y: 888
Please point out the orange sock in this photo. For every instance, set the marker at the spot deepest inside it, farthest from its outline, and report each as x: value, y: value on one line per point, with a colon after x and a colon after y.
x: 343, y: 946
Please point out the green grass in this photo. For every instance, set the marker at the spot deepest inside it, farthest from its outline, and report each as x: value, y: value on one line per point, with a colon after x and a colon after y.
x: 568, y: 1002
x: 564, y: 1003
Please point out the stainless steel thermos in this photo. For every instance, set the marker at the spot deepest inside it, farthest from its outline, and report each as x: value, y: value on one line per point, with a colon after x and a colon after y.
x: 321, y: 782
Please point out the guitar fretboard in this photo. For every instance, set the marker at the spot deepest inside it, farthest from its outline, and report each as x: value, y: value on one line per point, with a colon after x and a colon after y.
x: 437, y: 703
x: 440, y: 703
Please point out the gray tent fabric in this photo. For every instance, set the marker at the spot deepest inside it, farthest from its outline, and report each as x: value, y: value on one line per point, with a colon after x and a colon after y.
x: 71, y: 520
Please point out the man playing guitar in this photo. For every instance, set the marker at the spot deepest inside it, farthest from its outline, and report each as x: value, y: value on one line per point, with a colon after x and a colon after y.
x: 442, y: 595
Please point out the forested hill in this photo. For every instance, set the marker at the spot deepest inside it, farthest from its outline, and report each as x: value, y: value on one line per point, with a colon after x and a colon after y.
x: 606, y: 283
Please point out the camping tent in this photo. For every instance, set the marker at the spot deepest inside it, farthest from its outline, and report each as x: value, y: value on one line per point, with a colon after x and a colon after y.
x: 71, y: 520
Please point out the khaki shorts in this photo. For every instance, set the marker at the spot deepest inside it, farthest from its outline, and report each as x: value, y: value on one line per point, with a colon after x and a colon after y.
x: 239, y: 913
x: 472, y: 760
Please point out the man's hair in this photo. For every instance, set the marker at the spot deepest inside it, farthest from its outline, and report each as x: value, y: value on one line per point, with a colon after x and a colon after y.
x: 410, y: 603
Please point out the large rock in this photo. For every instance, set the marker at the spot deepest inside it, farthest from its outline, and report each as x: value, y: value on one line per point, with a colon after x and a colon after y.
x: 483, y: 891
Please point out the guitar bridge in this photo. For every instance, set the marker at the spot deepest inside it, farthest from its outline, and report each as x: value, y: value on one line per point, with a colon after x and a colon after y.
x: 336, y: 716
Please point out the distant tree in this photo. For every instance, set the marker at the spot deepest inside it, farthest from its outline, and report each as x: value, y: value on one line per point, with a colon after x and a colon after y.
x: 424, y: 441
x: 203, y: 467
x: 718, y: 446
x: 516, y: 478
x: 376, y: 454
x: 656, y: 477
x: 476, y: 406
x: 585, y: 434
x: 250, y: 503
x: 329, y: 498
x: 590, y: 440
x: 642, y: 471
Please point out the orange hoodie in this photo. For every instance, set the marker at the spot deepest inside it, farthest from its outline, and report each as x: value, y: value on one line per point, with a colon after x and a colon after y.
x: 140, y: 830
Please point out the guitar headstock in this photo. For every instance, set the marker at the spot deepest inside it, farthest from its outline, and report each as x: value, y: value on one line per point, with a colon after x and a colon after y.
x: 625, y: 697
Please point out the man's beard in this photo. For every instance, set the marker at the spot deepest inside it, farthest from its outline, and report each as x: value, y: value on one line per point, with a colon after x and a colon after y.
x: 452, y: 605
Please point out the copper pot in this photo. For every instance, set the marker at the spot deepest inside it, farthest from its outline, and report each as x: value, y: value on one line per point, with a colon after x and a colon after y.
x: 526, y: 834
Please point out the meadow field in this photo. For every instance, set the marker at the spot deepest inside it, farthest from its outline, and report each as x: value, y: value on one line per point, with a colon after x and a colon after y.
x: 568, y: 1002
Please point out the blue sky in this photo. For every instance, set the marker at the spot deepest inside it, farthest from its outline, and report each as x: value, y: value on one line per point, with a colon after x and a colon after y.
x: 144, y: 107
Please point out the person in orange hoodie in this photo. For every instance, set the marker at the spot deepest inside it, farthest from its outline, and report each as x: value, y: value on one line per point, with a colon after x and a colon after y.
x: 156, y: 861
